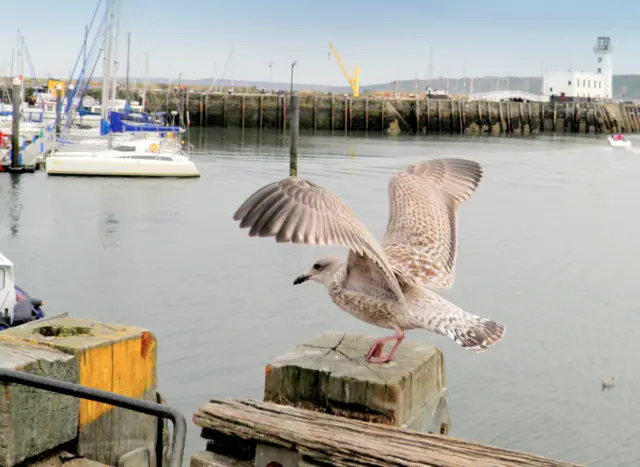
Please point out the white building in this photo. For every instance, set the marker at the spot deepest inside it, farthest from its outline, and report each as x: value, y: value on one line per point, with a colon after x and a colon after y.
x: 583, y: 85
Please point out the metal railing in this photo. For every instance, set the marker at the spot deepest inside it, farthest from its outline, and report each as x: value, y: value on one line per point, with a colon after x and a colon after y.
x: 118, y: 400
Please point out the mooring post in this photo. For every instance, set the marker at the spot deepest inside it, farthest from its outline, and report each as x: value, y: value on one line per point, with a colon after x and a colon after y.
x: 183, y: 106
x: 295, y: 128
x: 58, y: 108
x: 15, y: 127
x: 409, y: 393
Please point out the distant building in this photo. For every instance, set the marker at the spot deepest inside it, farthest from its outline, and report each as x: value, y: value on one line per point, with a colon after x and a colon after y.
x: 580, y: 85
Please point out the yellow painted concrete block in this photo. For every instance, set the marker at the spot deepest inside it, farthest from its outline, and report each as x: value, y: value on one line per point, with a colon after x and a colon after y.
x: 111, y: 357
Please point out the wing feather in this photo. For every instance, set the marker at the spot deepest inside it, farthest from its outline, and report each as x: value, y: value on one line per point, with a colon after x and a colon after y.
x: 298, y: 211
x: 421, y: 239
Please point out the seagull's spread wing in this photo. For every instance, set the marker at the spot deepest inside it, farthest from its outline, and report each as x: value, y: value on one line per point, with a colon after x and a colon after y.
x: 420, y: 241
x: 298, y: 211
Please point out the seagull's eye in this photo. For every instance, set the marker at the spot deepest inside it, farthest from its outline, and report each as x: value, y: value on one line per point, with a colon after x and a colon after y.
x: 317, y: 266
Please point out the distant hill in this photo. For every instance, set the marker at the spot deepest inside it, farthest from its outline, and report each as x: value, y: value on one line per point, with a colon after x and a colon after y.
x: 623, y: 85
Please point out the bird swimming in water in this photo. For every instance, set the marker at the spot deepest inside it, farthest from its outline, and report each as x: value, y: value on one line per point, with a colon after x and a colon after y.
x: 388, y: 284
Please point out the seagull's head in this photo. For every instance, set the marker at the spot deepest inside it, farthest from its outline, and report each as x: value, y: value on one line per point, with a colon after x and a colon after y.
x: 321, y: 271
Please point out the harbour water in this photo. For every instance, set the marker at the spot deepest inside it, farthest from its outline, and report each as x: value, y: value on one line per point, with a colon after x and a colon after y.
x: 547, y: 246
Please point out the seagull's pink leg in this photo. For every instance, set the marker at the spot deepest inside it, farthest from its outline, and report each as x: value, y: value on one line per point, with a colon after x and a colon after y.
x: 375, y: 352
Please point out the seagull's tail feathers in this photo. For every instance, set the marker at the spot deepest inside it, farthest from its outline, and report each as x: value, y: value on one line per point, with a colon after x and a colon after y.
x: 472, y: 332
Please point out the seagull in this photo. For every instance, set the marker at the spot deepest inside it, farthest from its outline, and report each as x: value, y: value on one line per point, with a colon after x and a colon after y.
x: 607, y: 383
x: 387, y: 284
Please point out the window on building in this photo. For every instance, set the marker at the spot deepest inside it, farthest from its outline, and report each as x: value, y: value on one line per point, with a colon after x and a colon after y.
x: 599, y: 70
x: 599, y: 59
x: 578, y: 83
x: 550, y: 89
x: 589, y: 83
x: 584, y: 83
x: 569, y: 82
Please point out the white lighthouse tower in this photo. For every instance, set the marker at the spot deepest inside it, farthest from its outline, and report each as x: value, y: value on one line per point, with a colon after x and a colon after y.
x: 604, y: 56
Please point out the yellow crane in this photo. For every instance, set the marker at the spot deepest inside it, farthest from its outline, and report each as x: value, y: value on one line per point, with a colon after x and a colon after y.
x: 353, y: 82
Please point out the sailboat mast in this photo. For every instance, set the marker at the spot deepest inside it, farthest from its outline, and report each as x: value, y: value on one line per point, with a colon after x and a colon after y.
x: 146, y: 80
x: 106, y: 68
x: 114, y: 74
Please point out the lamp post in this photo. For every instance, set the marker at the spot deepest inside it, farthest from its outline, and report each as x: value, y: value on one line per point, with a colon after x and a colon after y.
x: 293, y: 64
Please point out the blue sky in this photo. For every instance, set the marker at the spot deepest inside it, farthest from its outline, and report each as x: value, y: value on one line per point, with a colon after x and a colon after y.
x: 388, y: 40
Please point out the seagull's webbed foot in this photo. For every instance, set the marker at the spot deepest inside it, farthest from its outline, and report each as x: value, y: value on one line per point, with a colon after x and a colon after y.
x: 375, y: 352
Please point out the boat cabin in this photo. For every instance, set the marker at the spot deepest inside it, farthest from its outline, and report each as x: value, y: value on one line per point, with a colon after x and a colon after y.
x: 7, y: 290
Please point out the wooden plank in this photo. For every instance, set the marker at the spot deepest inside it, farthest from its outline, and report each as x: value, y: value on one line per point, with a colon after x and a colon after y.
x: 342, y: 442
x: 63, y: 459
x: 329, y: 373
x: 211, y: 459
x: 33, y: 421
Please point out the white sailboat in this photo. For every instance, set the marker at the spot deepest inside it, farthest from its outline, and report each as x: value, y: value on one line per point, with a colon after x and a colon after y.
x: 119, y: 155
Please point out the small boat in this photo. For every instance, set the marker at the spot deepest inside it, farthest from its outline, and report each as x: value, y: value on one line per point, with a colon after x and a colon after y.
x: 619, y: 143
x: 123, y: 160
x: 16, y: 306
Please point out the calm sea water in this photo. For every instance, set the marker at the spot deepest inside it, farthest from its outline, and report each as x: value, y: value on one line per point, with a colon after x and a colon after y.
x: 548, y: 246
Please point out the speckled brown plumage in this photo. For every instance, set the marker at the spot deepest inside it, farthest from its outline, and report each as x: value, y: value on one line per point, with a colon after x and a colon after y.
x: 385, y: 285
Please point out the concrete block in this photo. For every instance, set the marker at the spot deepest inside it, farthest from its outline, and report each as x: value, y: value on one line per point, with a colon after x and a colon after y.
x: 32, y: 420
x: 111, y: 357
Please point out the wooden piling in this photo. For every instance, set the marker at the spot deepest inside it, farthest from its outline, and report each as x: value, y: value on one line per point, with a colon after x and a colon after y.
x: 501, y: 116
x: 555, y: 116
x: 426, y: 126
x: 366, y: 114
x: 260, y: 111
x: 333, y: 113
x: 315, y: 113
x: 242, y: 104
x: 451, y: 116
x: 346, y: 115
x: 382, y: 106
x: 58, y: 108
x: 461, y: 117
x: 284, y: 113
x: 15, y: 124
x: 206, y: 108
x: 295, y: 127
x: 417, y: 104
x: 439, y: 115
x: 392, y: 395
x: 201, y: 114
x: 521, y: 118
x: 224, y: 111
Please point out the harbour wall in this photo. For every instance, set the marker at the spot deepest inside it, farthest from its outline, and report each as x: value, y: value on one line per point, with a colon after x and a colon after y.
x: 417, y: 116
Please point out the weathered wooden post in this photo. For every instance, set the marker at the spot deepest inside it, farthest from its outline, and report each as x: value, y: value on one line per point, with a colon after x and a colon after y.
x: 295, y: 128
x: 183, y: 106
x: 329, y: 374
x: 58, y: 108
x: 15, y: 126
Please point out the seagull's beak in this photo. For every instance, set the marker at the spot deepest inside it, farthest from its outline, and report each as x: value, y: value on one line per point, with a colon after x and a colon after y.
x: 301, y: 279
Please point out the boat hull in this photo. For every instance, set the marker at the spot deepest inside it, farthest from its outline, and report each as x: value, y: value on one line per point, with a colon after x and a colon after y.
x: 625, y: 143
x: 119, y: 167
